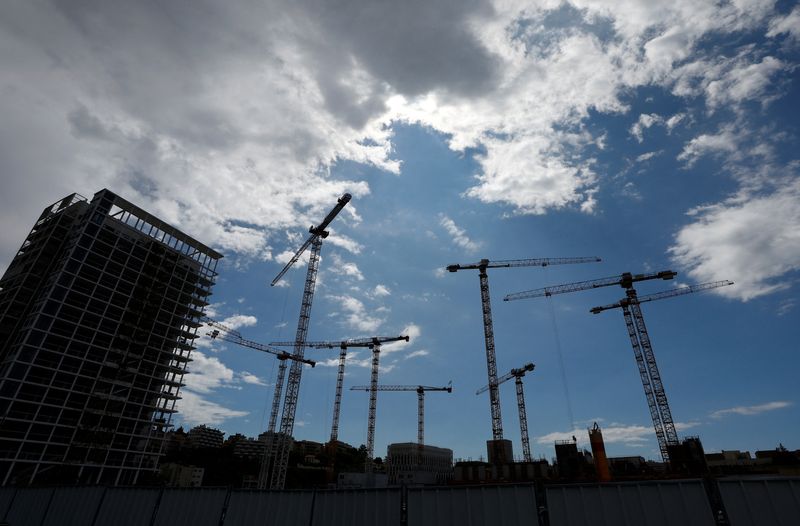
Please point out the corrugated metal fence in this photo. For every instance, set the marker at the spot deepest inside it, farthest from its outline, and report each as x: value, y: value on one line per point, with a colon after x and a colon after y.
x: 749, y: 502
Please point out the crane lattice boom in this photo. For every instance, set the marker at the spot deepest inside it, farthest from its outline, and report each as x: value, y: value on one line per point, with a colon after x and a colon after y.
x: 229, y: 335
x: 680, y: 291
x: 316, y: 233
x: 625, y: 281
x: 508, y: 376
x: 508, y: 263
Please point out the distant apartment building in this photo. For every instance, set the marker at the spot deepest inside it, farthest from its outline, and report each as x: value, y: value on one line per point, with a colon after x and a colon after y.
x: 411, y: 464
x: 98, y: 312
x: 202, y: 437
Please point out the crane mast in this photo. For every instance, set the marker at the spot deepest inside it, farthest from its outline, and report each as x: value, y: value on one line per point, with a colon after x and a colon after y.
x: 657, y: 402
x: 280, y: 453
x: 225, y: 333
x: 518, y: 374
x: 420, y: 389
x: 373, y: 404
x: 488, y: 329
x: 343, y: 346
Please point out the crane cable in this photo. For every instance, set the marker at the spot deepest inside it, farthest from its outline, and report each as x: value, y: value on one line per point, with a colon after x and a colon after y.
x: 561, y: 365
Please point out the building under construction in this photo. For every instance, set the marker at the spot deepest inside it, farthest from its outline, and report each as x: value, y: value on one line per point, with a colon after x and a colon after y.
x: 98, y: 312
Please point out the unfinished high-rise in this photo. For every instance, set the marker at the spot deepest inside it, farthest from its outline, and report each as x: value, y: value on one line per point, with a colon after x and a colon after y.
x: 98, y: 312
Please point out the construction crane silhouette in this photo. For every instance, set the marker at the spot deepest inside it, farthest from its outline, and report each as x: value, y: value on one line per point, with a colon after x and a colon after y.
x: 420, y: 389
x: 280, y: 451
x: 223, y: 332
x: 657, y: 402
x: 343, y: 345
x: 488, y: 330
x: 518, y: 374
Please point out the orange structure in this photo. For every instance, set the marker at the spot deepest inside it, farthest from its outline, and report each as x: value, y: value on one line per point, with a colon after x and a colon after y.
x: 599, y: 452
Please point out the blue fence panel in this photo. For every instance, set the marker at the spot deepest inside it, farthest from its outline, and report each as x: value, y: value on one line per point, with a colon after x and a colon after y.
x: 681, y: 503
x: 190, y: 507
x: 770, y: 502
x: 6, y: 497
x: 268, y: 508
x: 473, y: 506
x: 74, y: 506
x: 127, y: 507
x: 29, y: 506
x: 357, y: 507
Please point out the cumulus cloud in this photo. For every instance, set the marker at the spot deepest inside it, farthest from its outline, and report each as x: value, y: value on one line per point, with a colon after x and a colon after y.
x: 645, y: 121
x: 345, y: 268
x: 355, y: 314
x: 725, y: 142
x: 207, y: 373
x: 789, y: 24
x: 751, y: 240
x: 239, y: 320
x: 381, y: 291
x: 632, y: 435
x: 250, y: 378
x: 751, y: 409
x: 195, y: 410
x: 237, y: 114
x: 458, y: 235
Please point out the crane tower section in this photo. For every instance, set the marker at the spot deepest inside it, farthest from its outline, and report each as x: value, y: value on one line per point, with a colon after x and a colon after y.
x: 488, y: 329
x: 280, y: 454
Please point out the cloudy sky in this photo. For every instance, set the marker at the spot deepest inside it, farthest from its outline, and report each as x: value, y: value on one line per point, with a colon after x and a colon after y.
x: 654, y: 135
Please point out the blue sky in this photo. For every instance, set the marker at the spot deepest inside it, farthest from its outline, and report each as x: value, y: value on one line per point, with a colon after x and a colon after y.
x: 653, y: 136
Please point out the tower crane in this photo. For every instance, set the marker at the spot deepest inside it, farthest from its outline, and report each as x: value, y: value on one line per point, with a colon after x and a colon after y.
x: 223, y: 332
x: 420, y: 389
x: 518, y: 374
x: 343, y: 345
x: 488, y: 330
x: 657, y: 402
x: 280, y: 450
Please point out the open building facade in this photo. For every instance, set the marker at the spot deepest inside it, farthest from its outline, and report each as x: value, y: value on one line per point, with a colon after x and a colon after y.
x: 98, y: 312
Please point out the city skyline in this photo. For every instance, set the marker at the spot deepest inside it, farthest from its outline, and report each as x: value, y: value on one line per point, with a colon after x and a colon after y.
x: 653, y: 137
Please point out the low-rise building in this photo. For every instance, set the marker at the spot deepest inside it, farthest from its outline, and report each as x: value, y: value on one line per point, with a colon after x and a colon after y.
x: 411, y: 464
x: 203, y: 436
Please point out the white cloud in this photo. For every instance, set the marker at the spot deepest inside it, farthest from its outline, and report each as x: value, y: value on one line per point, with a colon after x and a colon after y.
x: 193, y: 410
x: 786, y: 306
x: 355, y: 314
x: 342, y: 241
x: 340, y: 267
x: 725, y: 142
x: 744, y: 81
x: 674, y: 121
x: 239, y: 320
x: 458, y: 235
x: 647, y: 156
x: 381, y: 291
x: 645, y: 121
x: 751, y: 409
x: 280, y: 91
x: 751, y: 240
x: 250, y: 378
x: 207, y: 373
x: 630, y: 435
x: 786, y: 24
x: 415, y: 354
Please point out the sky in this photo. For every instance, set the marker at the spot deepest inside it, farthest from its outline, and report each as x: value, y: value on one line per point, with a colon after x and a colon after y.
x: 654, y: 135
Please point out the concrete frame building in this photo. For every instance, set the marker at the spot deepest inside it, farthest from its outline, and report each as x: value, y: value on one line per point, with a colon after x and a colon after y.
x: 98, y: 312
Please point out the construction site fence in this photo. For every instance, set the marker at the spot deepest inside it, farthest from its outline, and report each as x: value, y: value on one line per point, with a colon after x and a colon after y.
x: 735, y: 502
